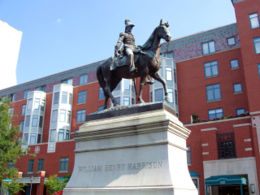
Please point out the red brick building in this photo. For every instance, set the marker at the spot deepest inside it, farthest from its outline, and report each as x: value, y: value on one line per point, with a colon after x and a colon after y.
x: 214, y: 78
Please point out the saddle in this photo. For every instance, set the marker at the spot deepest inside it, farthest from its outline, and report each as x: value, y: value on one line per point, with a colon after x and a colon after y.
x: 123, y: 60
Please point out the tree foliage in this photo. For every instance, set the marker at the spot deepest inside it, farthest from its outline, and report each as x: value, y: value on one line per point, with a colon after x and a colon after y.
x: 10, y: 146
x: 55, y: 184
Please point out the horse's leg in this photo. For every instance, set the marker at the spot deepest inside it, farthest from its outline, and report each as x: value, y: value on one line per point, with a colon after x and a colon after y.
x: 142, y: 83
x: 108, y: 92
x: 157, y: 77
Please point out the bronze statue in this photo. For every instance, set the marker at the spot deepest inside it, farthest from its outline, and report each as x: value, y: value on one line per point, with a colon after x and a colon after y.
x: 129, y: 44
x: 146, y: 62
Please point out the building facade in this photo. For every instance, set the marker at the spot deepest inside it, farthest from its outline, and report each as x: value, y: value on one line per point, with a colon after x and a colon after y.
x: 213, y: 80
x: 10, y: 40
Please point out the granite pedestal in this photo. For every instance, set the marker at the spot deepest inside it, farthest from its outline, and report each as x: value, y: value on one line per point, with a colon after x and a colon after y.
x: 135, y: 150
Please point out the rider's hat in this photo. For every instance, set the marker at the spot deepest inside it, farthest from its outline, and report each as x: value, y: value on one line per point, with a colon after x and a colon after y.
x: 128, y: 23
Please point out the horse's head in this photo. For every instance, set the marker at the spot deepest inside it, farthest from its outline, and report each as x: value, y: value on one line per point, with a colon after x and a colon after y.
x: 163, y: 31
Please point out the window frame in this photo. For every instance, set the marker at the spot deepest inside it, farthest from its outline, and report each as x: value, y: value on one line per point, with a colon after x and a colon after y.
x: 30, y: 166
x: 235, y: 90
x: 23, y: 110
x: 82, y: 97
x: 214, y: 89
x: 225, y: 144
x: 252, y: 18
x: 258, y: 67
x: 79, y: 115
x: 208, y: 47
x: 256, y: 41
x: 40, y: 165
x: 64, y: 165
x: 231, y: 38
x: 215, y: 113
x: 83, y: 79
x: 211, y: 66
x: 232, y: 66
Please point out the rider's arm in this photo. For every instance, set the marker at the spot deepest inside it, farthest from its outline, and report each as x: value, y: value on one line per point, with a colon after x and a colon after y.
x: 119, y: 42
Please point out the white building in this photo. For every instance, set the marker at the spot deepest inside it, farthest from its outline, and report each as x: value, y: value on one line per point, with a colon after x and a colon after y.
x: 10, y: 40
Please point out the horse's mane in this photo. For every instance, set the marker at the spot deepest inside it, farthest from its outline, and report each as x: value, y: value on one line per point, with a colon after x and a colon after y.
x: 148, y: 44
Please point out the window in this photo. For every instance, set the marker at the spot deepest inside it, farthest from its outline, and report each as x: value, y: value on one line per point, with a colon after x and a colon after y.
x: 61, y: 135
x: 258, y: 67
x: 21, y: 126
x: 11, y: 112
x: 83, y: 79
x: 40, y: 164
x: 257, y: 45
x: 41, y: 121
x: 33, y: 139
x: 254, y: 20
x: 170, y: 94
x: 81, y: 116
x: 30, y: 166
x: 29, y: 104
x: 56, y: 97
x: 68, y: 116
x: 215, y: 113
x: 100, y: 108
x: 240, y: 111
x: 231, y: 41
x: 126, y: 84
x: 226, y: 145
x: 158, y: 95
x: 64, y: 165
x: 27, y: 120
x: 12, y: 97
x: 70, y: 98
x: 41, y: 88
x: 188, y: 155
x: 23, y: 109
x: 82, y: 96
x: 118, y: 87
x: 211, y: 69
x: 234, y: 64
x: 10, y: 165
x: 118, y: 101
x: 52, y: 135
x: 237, y: 88
x: 168, y: 74
x: 62, y: 117
x: 37, y: 104
x: 64, y: 97
x: 126, y: 101
x: 208, y: 47
x: 34, y: 120
x: 25, y: 93
x: 54, y: 116
x: 101, y: 94
x: 67, y: 81
x: 213, y: 92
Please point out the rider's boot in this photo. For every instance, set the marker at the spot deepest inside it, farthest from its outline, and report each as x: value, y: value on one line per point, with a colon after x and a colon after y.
x: 148, y: 80
x: 132, y: 64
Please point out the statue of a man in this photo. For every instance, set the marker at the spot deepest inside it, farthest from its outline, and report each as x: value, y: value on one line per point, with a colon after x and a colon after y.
x: 129, y: 44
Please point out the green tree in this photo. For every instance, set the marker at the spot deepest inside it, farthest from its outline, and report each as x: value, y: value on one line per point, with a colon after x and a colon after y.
x: 10, y: 147
x: 55, y: 184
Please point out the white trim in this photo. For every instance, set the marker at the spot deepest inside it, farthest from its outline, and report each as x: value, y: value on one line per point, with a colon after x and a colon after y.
x: 217, y: 121
x: 242, y: 124
x: 205, y: 153
x: 256, y: 112
x: 209, y: 129
x: 248, y: 149
x: 205, y: 144
x: 247, y: 140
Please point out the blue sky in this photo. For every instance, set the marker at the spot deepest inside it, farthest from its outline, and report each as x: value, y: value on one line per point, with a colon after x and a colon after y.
x: 62, y: 34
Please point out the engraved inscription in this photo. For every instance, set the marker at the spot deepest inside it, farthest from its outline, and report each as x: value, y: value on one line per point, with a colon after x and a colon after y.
x: 134, y: 166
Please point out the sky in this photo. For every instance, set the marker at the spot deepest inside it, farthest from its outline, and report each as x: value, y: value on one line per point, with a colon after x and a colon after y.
x: 63, y: 34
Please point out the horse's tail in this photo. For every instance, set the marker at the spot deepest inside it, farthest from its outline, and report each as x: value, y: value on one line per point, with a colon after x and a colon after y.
x: 100, y: 76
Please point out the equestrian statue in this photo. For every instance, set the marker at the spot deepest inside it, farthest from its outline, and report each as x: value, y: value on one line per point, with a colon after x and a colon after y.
x: 133, y: 61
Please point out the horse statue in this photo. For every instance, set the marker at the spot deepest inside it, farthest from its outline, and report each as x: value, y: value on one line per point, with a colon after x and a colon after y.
x: 147, y: 62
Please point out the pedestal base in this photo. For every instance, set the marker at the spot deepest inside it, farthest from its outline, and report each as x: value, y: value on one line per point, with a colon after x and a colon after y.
x: 137, y: 153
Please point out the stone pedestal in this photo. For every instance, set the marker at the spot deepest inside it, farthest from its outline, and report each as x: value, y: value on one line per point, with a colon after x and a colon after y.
x: 136, y: 150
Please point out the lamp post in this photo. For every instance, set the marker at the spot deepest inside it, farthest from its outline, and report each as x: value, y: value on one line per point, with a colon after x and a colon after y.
x: 31, y: 179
